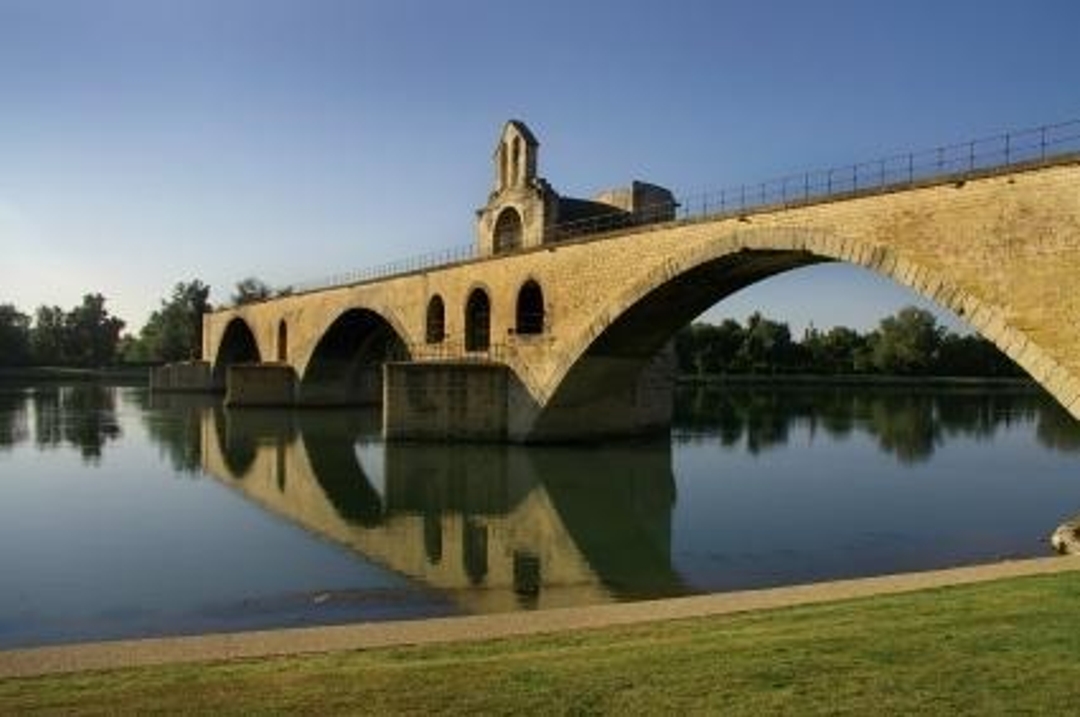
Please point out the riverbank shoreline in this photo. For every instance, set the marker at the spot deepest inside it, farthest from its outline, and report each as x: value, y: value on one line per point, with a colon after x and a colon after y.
x: 126, y: 375
x: 860, y: 380
x: 213, y: 648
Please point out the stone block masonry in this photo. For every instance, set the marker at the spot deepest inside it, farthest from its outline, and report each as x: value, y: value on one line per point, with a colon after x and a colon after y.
x: 266, y: 384
x: 445, y: 401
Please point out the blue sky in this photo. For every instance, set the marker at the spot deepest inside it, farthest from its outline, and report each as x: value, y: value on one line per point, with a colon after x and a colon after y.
x: 145, y: 142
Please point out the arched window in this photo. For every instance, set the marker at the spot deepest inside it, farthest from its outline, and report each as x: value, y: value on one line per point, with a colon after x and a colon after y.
x: 503, y: 181
x: 515, y: 161
x: 508, y: 231
x: 282, y: 341
x: 478, y: 321
x: 530, y: 309
x: 436, y: 320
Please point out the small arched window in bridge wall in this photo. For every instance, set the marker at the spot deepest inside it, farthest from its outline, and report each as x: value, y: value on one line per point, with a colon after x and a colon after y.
x: 478, y: 321
x: 436, y: 320
x: 530, y: 309
x: 282, y: 341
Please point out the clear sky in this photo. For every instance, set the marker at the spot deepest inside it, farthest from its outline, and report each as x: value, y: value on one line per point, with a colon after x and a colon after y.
x: 145, y: 142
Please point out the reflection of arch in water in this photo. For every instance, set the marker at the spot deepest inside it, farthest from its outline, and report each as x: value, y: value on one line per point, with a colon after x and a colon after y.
x: 334, y: 465
x: 613, y: 507
x: 241, y: 433
x: 616, y: 504
x: 495, y: 526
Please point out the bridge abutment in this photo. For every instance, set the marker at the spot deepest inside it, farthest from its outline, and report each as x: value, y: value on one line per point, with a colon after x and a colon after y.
x: 480, y: 401
x: 263, y: 384
x: 182, y: 377
x: 445, y: 401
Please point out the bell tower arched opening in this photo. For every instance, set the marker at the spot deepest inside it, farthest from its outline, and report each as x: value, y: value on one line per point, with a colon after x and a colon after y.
x: 508, y: 231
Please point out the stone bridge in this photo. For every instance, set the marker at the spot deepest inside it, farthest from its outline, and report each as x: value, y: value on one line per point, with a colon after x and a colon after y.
x: 558, y: 327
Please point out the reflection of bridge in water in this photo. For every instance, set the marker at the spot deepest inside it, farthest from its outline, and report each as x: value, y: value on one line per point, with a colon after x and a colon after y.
x: 497, y: 526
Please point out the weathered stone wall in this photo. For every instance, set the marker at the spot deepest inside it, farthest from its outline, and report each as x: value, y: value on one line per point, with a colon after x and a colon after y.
x: 183, y: 376
x: 445, y: 401
x: 1002, y: 251
x: 266, y: 384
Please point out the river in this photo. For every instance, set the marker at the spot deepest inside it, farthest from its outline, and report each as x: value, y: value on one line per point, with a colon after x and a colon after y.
x: 125, y: 515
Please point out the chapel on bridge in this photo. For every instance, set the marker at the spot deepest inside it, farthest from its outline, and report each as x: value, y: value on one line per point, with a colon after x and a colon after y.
x: 524, y: 211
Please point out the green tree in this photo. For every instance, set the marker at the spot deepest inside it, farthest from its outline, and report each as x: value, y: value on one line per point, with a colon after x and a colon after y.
x: 48, y: 340
x: 91, y: 335
x: 767, y: 345
x: 840, y: 347
x: 908, y: 342
x: 14, y: 336
x: 973, y: 356
x: 250, y: 290
x: 174, y: 331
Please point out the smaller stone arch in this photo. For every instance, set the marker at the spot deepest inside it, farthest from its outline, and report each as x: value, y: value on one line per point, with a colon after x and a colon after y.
x: 282, y: 341
x: 435, y: 326
x: 530, y: 309
x: 238, y: 345
x: 508, y: 231
x: 478, y: 321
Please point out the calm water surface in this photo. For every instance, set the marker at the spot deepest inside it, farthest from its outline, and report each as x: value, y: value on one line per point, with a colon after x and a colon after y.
x: 122, y: 515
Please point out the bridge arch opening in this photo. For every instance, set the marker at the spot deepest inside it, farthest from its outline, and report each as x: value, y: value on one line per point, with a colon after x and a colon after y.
x: 530, y: 309
x: 435, y: 329
x: 620, y: 382
x: 508, y: 231
x: 346, y: 365
x: 632, y: 338
x: 478, y: 321
x: 238, y: 345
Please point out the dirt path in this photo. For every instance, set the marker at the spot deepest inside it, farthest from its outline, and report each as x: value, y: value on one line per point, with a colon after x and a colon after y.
x: 228, y: 646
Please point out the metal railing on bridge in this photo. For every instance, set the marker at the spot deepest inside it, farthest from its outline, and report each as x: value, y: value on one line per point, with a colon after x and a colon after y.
x: 952, y: 162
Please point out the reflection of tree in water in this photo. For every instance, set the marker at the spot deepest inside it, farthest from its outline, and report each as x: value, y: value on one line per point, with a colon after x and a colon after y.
x: 1058, y: 430
x: 904, y: 425
x: 83, y: 416
x: 13, y: 423
x: 909, y: 423
x: 174, y: 424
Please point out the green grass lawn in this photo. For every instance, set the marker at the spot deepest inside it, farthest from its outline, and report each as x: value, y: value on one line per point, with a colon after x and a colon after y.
x: 998, y: 648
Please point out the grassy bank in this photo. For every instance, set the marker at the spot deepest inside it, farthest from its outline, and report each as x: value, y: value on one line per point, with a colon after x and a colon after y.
x: 996, y: 648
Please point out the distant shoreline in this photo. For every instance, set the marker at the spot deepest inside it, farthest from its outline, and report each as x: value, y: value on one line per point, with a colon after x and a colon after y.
x: 61, y: 374
x: 808, y: 379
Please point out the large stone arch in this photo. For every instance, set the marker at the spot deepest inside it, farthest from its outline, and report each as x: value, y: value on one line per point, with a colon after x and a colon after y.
x: 238, y: 345
x: 345, y: 365
x: 616, y: 348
